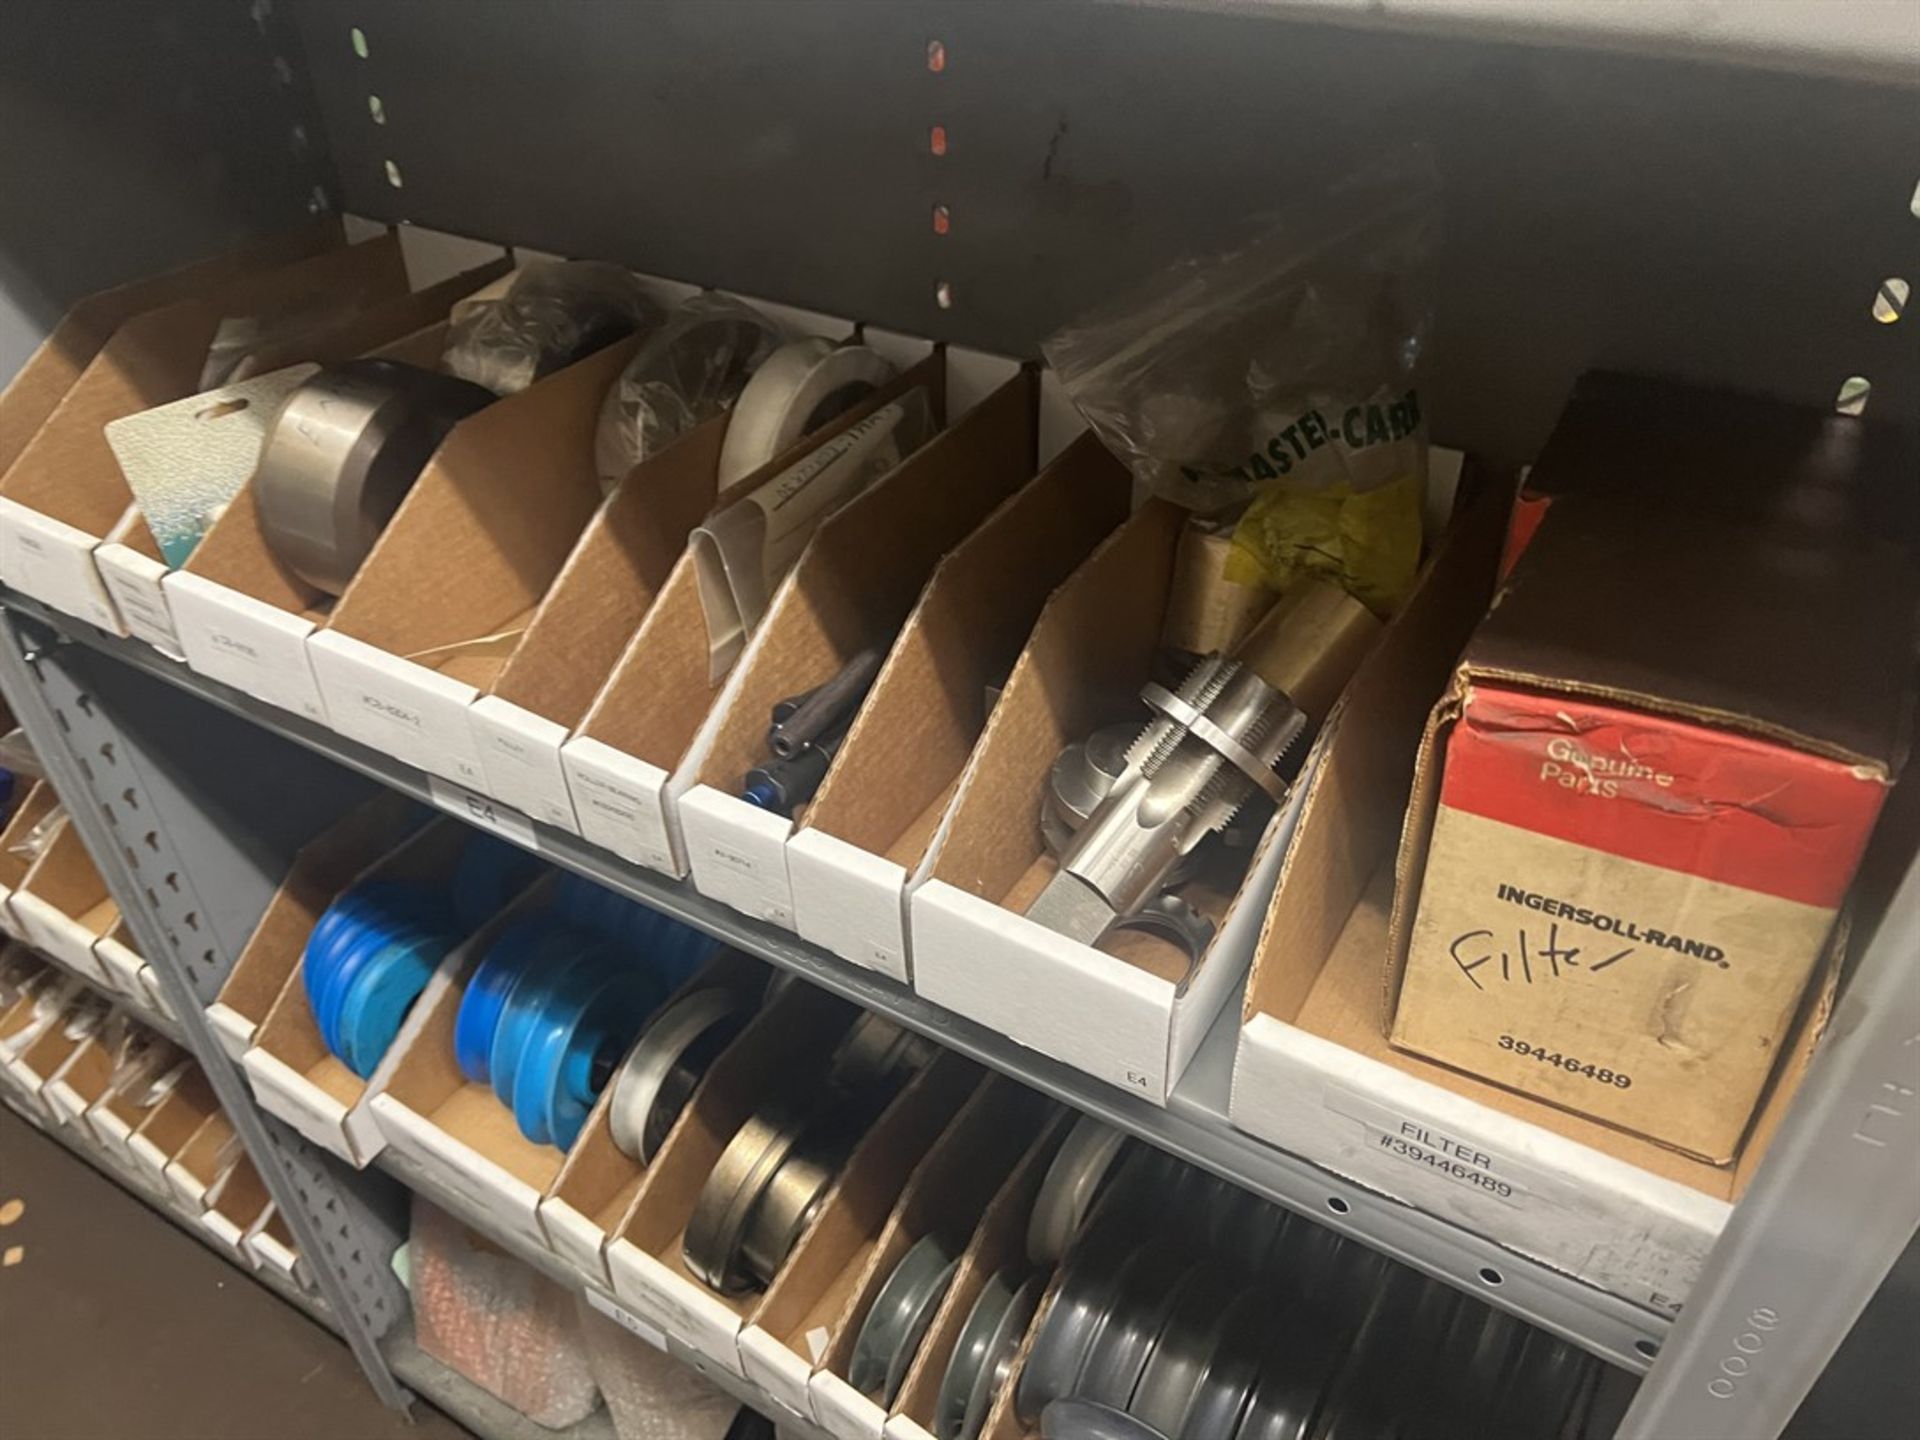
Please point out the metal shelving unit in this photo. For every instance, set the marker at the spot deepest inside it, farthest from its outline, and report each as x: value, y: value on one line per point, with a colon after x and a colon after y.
x: 1715, y: 197
x: 1193, y: 1125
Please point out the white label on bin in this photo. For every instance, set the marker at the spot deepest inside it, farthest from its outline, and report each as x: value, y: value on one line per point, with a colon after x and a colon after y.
x: 1422, y: 1144
x: 502, y: 820
x: 625, y: 1318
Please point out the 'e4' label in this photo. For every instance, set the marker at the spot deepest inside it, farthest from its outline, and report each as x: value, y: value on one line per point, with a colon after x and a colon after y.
x: 502, y: 820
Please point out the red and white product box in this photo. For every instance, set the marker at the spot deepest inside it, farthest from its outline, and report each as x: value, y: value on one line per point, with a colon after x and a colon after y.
x: 1620, y: 910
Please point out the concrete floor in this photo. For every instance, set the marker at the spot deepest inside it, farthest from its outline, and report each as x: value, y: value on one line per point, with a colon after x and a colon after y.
x: 116, y: 1326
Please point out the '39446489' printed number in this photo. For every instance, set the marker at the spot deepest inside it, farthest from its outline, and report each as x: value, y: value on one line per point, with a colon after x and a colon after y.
x: 1571, y: 1064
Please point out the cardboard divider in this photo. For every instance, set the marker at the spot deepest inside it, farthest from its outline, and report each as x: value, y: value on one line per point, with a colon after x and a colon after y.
x: 83, y: 1080
x: 62, y: 905
x: 41, y: 1063
x: 591, y: 611
x: 641, y: 726
x: 784, y: 1049
x: 850, y: 591
x: 852, y: 855
x: 122, y: 964
x: 1131, y: 1012
x: 321, y: 869
x: 209, y: 1153
x: 999, y: 1242
x: 949, y: 1191
x: 269, y: 1245
x: 775, y: 1347
x: 37, y: 389
x: 129, y: 1097
x: 598, y: 1180
x: 235, y: 1204
x: 241, y: 615
x: 131, y: 563
x: 293, y: 1073
x: 454, y: 578
x: 33, y: 808
x: 65, y: 492
x: 169, y: 1125
x: 1315, y: 1074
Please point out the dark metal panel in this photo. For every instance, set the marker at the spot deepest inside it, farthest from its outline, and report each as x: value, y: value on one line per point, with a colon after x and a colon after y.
x: 1672, y: 216
x: 137, y: 137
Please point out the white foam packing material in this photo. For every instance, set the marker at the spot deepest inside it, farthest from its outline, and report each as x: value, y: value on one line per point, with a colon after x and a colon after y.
x: 649, y: 1394
x: 498, y: 1322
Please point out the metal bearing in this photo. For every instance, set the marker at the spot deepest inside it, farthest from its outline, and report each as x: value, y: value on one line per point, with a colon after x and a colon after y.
x: 1074, y: 1180
x: 770, y: 1182
x: 717, y: 1230
x: 340, y: 455
x: 890, y: 1336
x: 799, y: 388
x: 667, y: 1063
x: 797, y: 1190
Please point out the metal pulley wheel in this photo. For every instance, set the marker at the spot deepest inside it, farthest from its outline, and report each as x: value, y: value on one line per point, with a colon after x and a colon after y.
x: 1089, y: 1288
x: 1190, y: 1337
x: 667, y: 1063
x: 1151, y: 1281
x: 799, y: 388
x: 1074, y: 1180
x: 1074, y: 1419
x: 340, y: 455
x: 876, y: 1051
x: 983, y: 1355
x: 897, y: 1322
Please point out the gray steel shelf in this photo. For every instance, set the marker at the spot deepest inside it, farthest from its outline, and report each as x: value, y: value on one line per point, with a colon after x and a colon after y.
x: 1193, y: 1125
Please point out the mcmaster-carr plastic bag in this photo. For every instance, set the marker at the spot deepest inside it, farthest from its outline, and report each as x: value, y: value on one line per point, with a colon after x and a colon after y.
x: 546, y: 314
x: 689, y: 370
x: 1279, y: 383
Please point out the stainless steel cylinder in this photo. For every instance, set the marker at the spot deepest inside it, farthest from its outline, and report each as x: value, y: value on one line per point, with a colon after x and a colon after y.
x: 340, y: 455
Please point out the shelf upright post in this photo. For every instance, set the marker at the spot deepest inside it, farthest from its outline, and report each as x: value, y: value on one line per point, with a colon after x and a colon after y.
x: 190, y: 903
x: 1834, y: 1204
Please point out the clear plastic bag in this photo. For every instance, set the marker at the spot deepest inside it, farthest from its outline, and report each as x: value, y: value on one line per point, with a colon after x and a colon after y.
x: 32, y: 844
x: 1280, y: 383
x: 689, y: 370
x: 550, y: 313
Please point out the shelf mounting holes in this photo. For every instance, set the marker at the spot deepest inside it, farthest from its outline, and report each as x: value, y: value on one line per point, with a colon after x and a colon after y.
x: 359, y: 38
x: 1337, y: 1205
x: 936, y: 56
x: 1492, y: 1276
x: 943, y: 294
x: 942, y: 219
x: 937, y: 139
x: 393, y: 175
x: 1891, y: 301
x: 1854, y: 392
x: 377, y: 109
